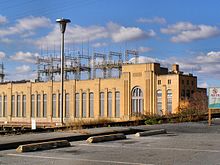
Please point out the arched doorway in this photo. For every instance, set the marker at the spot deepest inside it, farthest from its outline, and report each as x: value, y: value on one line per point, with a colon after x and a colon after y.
x: 137, y: 101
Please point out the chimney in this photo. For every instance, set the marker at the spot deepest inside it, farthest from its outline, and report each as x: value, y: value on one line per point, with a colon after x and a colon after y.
x: 175, y: 68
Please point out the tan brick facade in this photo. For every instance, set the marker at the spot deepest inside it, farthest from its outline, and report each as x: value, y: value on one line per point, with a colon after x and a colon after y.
x: 136, y: 91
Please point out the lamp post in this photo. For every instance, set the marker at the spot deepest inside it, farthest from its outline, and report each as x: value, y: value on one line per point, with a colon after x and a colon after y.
x: 62, y: 23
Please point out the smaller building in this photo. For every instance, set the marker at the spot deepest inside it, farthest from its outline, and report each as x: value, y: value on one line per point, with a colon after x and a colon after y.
x: 141, y: 89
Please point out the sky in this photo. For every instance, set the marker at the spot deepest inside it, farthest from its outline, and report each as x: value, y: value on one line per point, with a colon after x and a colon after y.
x: 165, y: 31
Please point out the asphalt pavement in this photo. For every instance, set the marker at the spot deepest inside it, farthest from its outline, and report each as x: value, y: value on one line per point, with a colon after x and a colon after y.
x: 13, y: 141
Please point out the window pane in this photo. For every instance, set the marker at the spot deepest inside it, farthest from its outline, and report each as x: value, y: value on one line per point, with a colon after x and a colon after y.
x: 117, y: 104
x: 18, y: 106
x: 59, y: 104
x: 159, y: 102
x: 54, y: 105
x: 67, y: 107
x: 32, y: 106
x: 102, y: 104
x: 169, y: 101
x: 13, y: 105
x: 0, y: 106
x: 77, y: 105
x: 91, y: 104
x: 133, y: 106
x: 5, y: 107
x: 38, y: 105
x: 137, y: 101
x: 188, y: 93
x: 109, y: 104
x: 24, y: 106
x: 45, y: 105
x: 84, y: 105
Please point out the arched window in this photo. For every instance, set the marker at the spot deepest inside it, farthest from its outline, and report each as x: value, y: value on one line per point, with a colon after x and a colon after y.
x: 159, y: 102
x: 137, y: 101
x: 169, y: 101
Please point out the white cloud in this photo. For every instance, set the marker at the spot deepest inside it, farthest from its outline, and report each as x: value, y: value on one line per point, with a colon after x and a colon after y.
x: 2, y: 55
x: 178, y: 27
x: 144, y: 59
x: 21, y: 76
x: 23, y: 69
x: 204, y: 65
x: 210, y: 57
x: 144, y: 49
x: 202, y: 33
x: 99, y: 44
x: 6, y: 40
x: 73, y: 34
x: 187, y: 32
x: 25, y: 57
x: 154, y: 20
x: 77, y: 34
x: 207, y: 65
x: 26, y: 26
x: 203, y: 85
x: 120, y: 33
x: 3, y: 19
x: 213, y: 54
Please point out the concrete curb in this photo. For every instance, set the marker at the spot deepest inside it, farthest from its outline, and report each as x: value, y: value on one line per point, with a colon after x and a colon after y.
x: 43, y: 146
x: 13, y: 145
x: 111, y: 137
x: 151, y: 132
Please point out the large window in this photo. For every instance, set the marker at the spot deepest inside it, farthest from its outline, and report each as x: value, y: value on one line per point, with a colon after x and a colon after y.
x: 169, y: 81
x: 77, y: 105
x: 169, y: 101
x: 67, y: 105
x: 5, y: 107
x: 32, y: 106
x: 83, y: 105
x: 109, y: 104
x: 137, y: 101
x: 38, y: 105
x: 54, y: 105
x: 183, y: 94
x: 188, y: 93
x: 18, y: 106
x: 117, y: 104
x: 44, y: 105
x: 102, y: 104
x: 13, y: 106
x: 0, y: 106
x: 91, y: 104
x: 24, y: 106
x: 159, y: 102
x: 59, y: 104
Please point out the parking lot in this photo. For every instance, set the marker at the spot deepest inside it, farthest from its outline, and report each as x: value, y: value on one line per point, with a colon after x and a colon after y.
x: 172, y: 148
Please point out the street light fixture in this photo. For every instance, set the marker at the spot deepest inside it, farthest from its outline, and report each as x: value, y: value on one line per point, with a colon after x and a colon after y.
x: 62, y: 23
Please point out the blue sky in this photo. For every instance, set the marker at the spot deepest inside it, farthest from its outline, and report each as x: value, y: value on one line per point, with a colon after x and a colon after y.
x: 166, y: 31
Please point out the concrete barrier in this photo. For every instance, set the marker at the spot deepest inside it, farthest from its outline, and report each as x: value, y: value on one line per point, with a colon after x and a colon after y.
x: 95, y: 139
x: 151, y: 132
x: 43, y: 146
